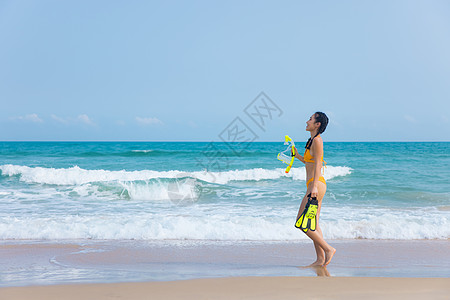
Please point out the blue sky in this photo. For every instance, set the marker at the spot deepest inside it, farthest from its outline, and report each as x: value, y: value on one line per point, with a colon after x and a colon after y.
x: 185, y: 70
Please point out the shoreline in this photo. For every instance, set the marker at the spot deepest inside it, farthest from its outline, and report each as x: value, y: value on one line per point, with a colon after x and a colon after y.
x: 264, y: 288
x: 25, y: 263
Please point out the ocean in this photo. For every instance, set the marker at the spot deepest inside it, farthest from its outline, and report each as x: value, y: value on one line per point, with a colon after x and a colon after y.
x: 199, y: 191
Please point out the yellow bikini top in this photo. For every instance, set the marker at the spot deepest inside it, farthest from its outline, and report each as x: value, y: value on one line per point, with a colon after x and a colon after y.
x: 308, y: 157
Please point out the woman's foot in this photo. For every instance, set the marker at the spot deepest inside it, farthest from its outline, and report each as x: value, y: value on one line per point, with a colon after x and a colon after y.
x: 329, y: 255
x: 317, y: 263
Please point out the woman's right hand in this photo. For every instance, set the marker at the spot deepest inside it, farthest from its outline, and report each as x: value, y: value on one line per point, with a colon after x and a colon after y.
x: 298, y: 156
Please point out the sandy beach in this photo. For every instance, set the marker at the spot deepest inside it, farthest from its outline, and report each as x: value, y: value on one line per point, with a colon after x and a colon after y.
x: 263, y: 288
x: 222, y: 270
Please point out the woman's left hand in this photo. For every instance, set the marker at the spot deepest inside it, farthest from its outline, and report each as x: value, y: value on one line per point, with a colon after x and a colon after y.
x: 314, y: 192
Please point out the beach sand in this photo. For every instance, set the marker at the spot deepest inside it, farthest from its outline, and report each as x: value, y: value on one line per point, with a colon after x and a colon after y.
x: 262, y: 288
x: 369, y: 269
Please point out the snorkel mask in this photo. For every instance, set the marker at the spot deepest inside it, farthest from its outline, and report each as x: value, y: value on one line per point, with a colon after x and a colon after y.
x: 288, y: 155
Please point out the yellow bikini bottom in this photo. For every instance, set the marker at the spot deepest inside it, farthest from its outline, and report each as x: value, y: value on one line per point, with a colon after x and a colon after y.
x: 321, y: 179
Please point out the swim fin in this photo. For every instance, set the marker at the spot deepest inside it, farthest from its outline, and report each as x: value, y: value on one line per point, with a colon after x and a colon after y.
x: 307, y: 220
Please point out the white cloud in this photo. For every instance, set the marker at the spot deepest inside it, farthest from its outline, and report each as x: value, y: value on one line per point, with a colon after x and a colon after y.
x: 149, y: 121
x: 85, y: 120
x: 29, y: 118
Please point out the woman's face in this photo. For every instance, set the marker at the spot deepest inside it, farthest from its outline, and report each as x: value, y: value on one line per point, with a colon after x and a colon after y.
x: 311, y: 124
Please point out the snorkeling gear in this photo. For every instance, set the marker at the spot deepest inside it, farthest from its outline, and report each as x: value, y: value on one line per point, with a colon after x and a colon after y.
x: 307, y: 220
x: 288, y: 155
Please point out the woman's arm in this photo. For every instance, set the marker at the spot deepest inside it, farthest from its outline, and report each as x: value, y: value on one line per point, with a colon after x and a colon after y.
x: 318, y: 154
x: 298, y: 156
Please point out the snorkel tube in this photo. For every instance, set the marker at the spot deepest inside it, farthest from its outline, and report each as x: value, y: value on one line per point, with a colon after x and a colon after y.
x: 288, y: 155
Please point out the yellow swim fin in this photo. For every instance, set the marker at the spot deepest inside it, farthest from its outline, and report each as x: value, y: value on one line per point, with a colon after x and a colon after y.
x: 307, y: 220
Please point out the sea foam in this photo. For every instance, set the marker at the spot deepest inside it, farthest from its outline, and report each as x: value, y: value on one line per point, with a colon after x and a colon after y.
x: 189, y: 225
x: 76, y: 175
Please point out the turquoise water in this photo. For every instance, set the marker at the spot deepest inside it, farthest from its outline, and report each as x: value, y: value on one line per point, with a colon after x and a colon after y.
x: 218, y: 191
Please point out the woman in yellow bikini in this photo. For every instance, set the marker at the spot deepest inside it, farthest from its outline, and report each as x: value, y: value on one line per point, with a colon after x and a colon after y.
x: 315, y: 183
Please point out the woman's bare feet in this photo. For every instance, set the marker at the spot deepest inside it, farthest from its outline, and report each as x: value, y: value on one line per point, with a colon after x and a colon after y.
x: 329, y: 255
x: 317, y: 263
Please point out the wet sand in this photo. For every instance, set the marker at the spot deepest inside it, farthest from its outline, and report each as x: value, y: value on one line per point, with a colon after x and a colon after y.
x: 222, y: 270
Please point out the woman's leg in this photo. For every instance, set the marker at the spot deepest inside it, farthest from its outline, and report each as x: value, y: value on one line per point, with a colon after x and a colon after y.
x: 324, y: 251
x: 320, y: 242
x: 317, y: 236
x: 319, y: 251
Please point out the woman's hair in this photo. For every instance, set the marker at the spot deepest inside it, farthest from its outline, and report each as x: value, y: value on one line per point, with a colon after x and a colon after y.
x: 323, y: 119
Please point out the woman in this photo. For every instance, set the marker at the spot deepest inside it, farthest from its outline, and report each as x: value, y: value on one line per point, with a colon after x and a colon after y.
x: 315, y: 183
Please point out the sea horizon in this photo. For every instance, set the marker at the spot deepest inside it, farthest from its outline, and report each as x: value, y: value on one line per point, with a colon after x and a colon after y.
x: 208, y: 141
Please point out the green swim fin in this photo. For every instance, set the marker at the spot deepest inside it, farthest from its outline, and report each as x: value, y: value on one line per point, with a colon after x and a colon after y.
x: 307, y: 220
